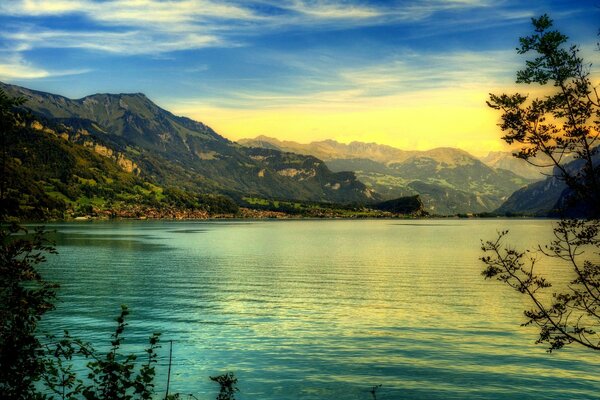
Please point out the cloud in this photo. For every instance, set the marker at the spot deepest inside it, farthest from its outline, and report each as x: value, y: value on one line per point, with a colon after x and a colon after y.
x: 413, y: 100
x: 155, y: 26
x: 130, y: 42
x: 136, y: 12
x: 419, y: 71
x: 125, y: 27
x: 32, y: 7
x: 158, y: 26
x: 16, y: 68
x: 333, y: 10
x: 336, y: 15
x: 328, y: 82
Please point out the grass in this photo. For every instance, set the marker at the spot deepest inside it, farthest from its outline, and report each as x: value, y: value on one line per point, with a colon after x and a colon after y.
x: 84, y: 181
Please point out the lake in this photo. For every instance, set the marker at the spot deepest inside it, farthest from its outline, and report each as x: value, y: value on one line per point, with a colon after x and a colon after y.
x: 316, y: 309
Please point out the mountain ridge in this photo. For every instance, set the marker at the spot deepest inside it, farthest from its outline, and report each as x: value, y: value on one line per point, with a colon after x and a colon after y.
x: 449, y: 180
x: 506, y: 160
x: 550, y: 197
x: 177, y: 150
x: 327, y: 148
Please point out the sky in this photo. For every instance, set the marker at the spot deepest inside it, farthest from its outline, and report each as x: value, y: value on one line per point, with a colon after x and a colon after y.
x: 413, y: 74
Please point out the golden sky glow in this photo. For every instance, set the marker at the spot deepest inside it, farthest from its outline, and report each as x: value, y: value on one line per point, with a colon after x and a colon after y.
x: 411, y: 74
x: 415, y: 120
x: 420, y: 121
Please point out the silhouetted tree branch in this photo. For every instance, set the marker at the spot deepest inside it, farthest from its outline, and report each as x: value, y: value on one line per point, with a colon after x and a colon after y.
x: 564, y: 123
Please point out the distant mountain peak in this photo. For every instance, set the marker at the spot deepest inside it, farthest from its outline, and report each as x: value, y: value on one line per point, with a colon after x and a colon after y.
x: 450, y: 180
x: 264, y: 137
x: 117, y: 95
x: 330, y: 149
x: 507, y: 160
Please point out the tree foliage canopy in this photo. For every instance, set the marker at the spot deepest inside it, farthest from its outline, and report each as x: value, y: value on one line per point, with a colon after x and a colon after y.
x: 563, y: 124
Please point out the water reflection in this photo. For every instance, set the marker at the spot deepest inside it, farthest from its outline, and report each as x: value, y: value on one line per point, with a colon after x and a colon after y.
x: 120, y: 242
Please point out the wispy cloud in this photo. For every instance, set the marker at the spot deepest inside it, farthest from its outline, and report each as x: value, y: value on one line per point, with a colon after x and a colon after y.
x: 137, y: 12
x: 158, y: 26
x: 329, y: 83
x: 131, y: 27
x: 417, y: 71
x: 16, y: 68
x: 331, y: 14
x: 129, y: 42
x: 332, y: 10
x: 144, y: 12
x: 155, y: 26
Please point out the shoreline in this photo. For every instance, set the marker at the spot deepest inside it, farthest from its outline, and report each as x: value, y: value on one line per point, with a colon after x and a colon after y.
x: 216, y: 218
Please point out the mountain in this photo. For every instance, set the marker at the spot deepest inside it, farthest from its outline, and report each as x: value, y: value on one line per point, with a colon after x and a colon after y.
x: 547, y: 197
x: 328, y: 150
x: 537, y: 199
x: 177, y: 151
x: 54, y: 172
x: 403, y: 205
x: 448, y: 180
x: 506, y: 160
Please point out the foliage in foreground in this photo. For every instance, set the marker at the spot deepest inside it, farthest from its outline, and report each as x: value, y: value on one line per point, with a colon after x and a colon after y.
x: 565, y: 123
x: 24, y: 298
x: 44, y: 370
x: 111, y: 376
x: 31, y: 369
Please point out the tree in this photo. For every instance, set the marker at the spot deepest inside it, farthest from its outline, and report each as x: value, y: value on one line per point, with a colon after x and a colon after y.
x: 563, y: 124
x: 24, y: 295
x: 9, y: 121
x: 24, y: 298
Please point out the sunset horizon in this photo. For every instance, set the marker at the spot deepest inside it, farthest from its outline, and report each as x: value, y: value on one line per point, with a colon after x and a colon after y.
x: 412, y: 75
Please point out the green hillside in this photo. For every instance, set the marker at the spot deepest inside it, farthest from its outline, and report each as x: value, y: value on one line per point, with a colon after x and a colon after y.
x: 49, y: 176
x: 176, y: 151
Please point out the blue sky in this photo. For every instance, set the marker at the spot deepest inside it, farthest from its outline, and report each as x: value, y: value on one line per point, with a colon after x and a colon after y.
x: 301, y: 70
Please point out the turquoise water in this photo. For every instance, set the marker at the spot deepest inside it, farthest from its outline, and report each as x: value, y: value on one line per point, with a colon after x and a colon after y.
x: 316, y: 309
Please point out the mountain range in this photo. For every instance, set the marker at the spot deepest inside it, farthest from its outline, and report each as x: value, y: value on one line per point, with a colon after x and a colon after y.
x: 448, y: 180
x: 108, y: 148
x: 169, y: 150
